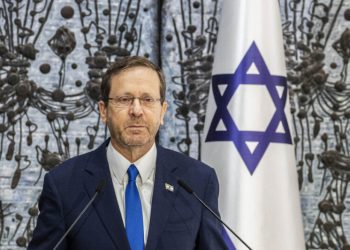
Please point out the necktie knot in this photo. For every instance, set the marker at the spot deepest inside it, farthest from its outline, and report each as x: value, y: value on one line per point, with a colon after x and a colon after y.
x: 132, y: 172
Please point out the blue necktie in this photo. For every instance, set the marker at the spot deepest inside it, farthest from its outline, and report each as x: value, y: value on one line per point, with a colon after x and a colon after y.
x: 133, y: 214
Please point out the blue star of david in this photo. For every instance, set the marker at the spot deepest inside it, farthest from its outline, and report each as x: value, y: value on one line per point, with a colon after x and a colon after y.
x: 232, y: 133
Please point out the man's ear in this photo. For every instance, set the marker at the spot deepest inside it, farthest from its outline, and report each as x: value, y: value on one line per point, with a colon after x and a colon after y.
x: 164, y: 109
x: 103, y: 111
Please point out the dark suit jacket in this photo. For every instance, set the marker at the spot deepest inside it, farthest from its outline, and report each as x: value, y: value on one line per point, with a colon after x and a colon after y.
x: 178, y: 221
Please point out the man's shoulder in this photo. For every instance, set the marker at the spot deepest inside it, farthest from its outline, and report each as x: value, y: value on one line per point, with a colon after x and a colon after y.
x: 76, y: 163
x: 183, y: 161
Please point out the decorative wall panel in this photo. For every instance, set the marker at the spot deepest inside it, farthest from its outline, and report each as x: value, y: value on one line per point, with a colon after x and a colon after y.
x: 317, y: 47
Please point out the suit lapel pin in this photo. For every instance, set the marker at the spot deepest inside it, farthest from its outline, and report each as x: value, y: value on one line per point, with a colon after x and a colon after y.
x: 169, y: 187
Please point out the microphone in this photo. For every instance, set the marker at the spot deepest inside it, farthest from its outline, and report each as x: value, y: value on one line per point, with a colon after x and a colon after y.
x: 190, y: 191
x: 98, y: 189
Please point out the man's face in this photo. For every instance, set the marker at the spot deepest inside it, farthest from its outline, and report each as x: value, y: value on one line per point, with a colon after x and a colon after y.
x: 134, y: 125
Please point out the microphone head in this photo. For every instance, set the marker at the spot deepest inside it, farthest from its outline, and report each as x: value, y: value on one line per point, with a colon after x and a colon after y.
x: 185, y: 186
x: 100, y: 186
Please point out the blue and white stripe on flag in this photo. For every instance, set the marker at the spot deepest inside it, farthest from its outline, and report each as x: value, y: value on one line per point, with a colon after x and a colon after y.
x: 247, y: 137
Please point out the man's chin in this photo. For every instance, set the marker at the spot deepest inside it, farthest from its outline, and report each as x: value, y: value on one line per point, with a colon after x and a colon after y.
x: 137, y: 142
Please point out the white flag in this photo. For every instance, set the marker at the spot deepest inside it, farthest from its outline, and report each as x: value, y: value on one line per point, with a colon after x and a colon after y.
x: 247, y: 136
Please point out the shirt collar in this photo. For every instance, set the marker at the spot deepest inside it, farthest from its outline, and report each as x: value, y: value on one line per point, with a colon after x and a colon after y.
x: 119, y: 164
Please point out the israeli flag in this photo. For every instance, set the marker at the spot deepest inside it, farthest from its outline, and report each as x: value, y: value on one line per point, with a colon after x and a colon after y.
x: 247, y: 136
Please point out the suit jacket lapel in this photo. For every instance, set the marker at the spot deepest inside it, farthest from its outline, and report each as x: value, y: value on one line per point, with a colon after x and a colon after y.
x: 106, y: 204
x: 166, y: 172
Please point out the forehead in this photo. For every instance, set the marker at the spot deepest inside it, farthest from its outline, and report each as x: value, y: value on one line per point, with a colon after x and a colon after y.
x: 138, y: 78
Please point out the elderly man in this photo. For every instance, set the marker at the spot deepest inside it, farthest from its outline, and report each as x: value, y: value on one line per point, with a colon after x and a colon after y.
x: 137, y: 203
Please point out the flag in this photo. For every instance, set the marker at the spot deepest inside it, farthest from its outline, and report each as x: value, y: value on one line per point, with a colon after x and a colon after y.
x: 247, y: 132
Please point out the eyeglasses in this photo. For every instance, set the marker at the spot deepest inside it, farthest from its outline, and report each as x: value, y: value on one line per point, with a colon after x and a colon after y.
x: 126, y: 101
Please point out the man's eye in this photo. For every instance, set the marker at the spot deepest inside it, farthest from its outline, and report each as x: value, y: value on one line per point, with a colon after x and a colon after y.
x: 147, y: 99
x: 124, y: 99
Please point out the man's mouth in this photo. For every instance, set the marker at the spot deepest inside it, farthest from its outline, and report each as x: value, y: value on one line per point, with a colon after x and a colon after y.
x: 136, y: 126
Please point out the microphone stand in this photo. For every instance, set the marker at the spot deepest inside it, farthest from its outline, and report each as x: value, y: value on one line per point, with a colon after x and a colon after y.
x: 98, y: 189
x: 190, y: 191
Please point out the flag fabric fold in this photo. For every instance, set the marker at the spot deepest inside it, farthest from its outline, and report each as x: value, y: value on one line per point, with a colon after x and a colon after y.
x: 247, y: 136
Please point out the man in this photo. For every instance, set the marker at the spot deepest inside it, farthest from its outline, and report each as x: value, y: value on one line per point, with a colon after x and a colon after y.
x: 141, y: 205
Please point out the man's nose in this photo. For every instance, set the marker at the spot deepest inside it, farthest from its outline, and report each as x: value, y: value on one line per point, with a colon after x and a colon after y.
x: 136, y: 107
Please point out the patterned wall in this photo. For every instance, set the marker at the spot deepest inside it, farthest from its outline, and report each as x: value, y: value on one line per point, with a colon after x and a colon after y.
x: 52, y: 55
x: 317, y: 48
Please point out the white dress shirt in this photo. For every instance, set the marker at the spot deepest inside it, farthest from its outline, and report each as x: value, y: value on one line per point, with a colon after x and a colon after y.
x: 118, y: 166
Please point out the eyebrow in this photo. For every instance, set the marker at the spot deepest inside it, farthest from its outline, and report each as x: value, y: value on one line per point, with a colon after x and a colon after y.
x: 130, y: 94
